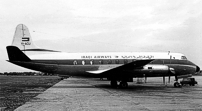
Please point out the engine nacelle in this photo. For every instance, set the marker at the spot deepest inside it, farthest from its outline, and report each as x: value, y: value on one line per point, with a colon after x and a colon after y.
x: 156, y: 68
x: 152, y: 70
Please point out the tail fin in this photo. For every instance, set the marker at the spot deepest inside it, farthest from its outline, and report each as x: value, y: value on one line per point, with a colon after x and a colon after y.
x: 15, y: 54
x: 22, y: 38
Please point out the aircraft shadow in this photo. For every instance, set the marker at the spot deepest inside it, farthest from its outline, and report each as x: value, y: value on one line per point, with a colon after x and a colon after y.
x: 135, y: 87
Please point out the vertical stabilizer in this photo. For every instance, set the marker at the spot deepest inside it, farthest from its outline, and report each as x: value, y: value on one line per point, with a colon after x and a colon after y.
x: 22, y: 38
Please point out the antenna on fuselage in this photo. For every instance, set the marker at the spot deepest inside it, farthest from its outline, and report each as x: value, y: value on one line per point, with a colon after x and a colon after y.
x: 170, y: 63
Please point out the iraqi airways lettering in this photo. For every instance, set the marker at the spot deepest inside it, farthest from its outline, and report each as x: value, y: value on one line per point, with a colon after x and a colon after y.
x: 120, y: 57
x: 145, y: 57
x: 96, y: 57
x: 138, y: 57
x: 102, y: 57
x: 86, y: 57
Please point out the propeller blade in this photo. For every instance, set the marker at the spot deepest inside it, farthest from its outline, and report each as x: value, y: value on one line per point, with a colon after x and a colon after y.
x: 169, y: 79
x: 176, y: 79
x: 163, y: 79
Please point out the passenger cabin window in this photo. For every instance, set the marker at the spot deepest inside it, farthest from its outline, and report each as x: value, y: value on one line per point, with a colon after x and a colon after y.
x: 130, y: 60
x: 105, y: 61
x: 121, y: 61
x: 109, y: 62
x: 75, y: 62
x: 117, y: 61
x: 91, y: 62
x: 83, y: 62
x: 183, y: 58
x: 100, y: 62
x: 125, y: 61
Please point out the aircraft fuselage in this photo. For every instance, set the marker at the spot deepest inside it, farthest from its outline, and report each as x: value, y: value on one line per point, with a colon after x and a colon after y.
x: 156, y: 68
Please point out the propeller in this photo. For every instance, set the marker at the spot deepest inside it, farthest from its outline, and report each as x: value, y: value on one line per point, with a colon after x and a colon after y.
x: 169, y: 78
x: 176, y: 79
x: 172, y: 71
x: 163, y: 79
x: 145, y: 79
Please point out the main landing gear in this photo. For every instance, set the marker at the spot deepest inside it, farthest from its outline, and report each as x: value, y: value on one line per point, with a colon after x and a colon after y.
x: 114, y: 83
x: 122, y: 84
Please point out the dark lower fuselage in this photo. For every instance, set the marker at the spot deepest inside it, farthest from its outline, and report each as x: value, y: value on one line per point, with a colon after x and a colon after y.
x: 156, y: 68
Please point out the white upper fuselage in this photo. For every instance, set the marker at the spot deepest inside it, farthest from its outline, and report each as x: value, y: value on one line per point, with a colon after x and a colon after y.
x: 108, y: 55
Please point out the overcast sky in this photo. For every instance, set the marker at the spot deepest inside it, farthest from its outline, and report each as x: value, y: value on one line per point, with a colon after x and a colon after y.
x: 105, y: 25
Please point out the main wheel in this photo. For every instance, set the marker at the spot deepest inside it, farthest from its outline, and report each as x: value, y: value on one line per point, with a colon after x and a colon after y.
x: 114, y: 83
x: 123, y: 84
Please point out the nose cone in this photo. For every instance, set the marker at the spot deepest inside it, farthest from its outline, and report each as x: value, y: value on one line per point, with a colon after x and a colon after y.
x: 197, y: 68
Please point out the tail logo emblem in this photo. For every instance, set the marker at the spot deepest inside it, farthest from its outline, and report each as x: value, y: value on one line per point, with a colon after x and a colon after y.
x: 25, y: 41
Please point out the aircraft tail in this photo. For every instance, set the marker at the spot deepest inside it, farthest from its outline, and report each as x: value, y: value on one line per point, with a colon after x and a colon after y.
x: 22, y: 38
x: 15, y: 54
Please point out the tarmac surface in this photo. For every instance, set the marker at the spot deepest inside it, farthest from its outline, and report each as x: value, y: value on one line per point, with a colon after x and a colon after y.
x: 81, y: 94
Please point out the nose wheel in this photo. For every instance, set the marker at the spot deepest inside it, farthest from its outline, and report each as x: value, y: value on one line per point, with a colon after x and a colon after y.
x: 177, y: 84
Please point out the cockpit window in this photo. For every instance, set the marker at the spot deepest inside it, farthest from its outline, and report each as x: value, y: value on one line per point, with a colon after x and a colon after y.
x: 183, y: 58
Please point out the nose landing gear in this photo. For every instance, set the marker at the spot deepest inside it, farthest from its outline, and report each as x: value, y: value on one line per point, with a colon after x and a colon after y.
x: 177, y: 84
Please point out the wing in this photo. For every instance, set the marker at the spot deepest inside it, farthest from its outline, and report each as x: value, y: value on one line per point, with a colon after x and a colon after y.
x: 130, y: 66
x: 98, y: 71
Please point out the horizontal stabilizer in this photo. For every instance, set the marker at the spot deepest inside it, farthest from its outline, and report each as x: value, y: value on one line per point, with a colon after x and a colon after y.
x: 15, y: 54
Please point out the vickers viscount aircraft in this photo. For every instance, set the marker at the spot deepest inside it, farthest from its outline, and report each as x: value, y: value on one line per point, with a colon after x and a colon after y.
x: 119, y: 67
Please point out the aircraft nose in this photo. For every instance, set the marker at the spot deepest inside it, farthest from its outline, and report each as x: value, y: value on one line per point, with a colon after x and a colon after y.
x: 197, y: 68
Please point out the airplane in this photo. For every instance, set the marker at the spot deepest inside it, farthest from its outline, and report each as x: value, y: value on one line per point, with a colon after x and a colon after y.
x: 118, y: 67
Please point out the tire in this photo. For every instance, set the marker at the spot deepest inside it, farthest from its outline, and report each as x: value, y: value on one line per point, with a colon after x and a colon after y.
x: 114, y: 83
x: 177, y: 84
x: 123, y: 85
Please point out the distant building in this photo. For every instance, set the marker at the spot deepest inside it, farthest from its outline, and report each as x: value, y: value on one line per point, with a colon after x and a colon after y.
x: 28, y: 73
